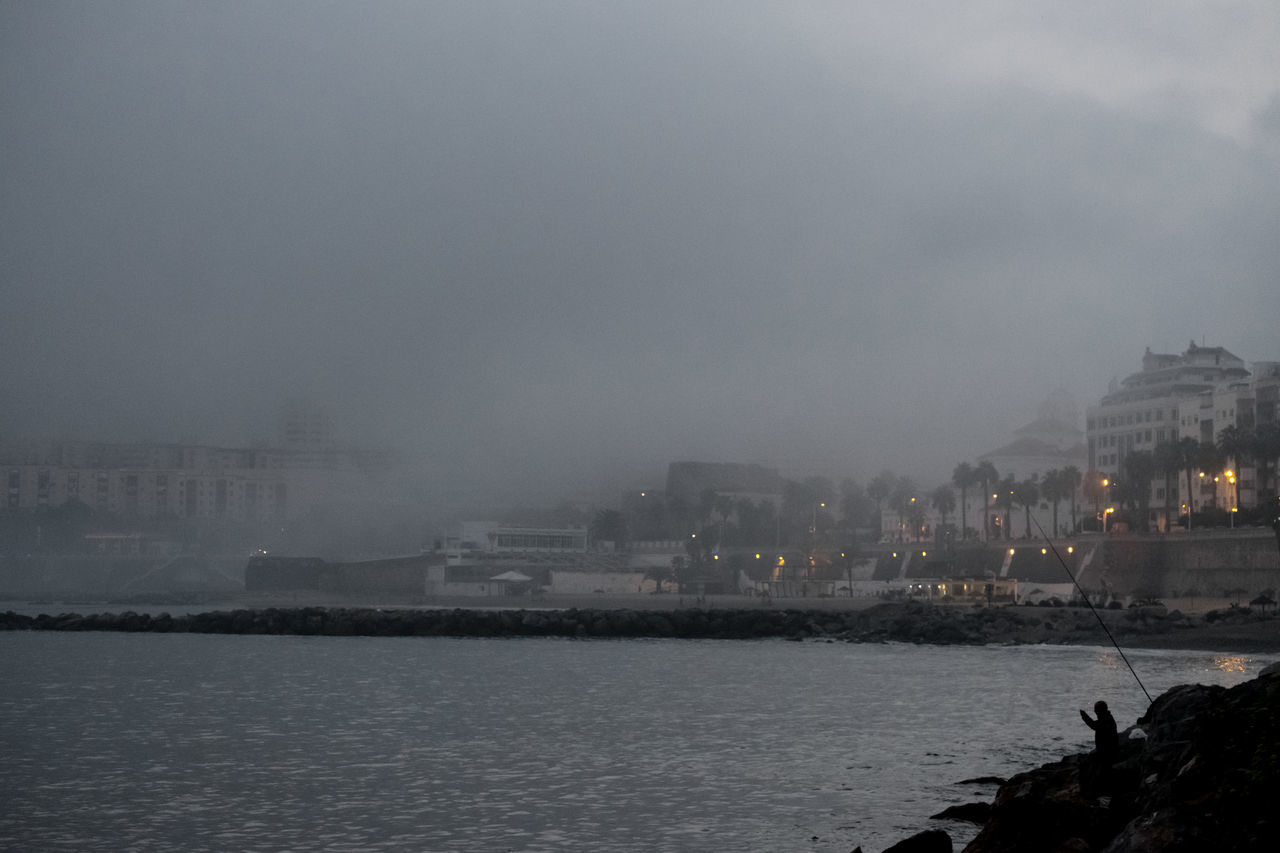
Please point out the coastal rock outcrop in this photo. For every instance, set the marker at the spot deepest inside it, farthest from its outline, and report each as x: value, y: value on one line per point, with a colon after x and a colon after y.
x: 1202, y: 778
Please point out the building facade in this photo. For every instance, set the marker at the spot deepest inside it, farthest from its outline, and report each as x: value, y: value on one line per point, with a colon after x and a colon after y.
x: 1196, y: 395
x: 157, y: 481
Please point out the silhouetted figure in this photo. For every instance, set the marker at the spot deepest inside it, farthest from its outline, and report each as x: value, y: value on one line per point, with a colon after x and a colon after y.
x: 1106, y: 741
x: 1096, y: 775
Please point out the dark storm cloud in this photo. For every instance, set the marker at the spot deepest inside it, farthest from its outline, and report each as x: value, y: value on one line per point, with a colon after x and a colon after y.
x: 553, y: 246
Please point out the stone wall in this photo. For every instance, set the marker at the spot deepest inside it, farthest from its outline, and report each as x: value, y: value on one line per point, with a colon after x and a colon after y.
x: 1166, y: 566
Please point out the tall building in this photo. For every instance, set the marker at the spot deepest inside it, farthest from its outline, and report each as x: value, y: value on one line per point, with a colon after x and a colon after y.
x: 1157, y: 403
x: 159, y: 481
x: 1196, y: 394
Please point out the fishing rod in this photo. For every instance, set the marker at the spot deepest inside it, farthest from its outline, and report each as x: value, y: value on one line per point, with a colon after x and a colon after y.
x: 1095, y: 613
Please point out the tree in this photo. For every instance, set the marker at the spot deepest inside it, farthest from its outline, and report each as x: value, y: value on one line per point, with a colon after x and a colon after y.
x: 849, y: 554
x: 1139, y: 471
x: 1053, y: 488
x: 610, y: 525
x: 916, y: 518
x: 944, y: 501
x: 880, y: 488
x: 1209, y: 460
x: 800, y: 502
x: 1071, y: 478
x: 1168, y: 461
x: 986, y: 474
x: 963, y: 477
x: 853, y: 504
x: 1189, y: 451
x: 1027, y: 494
x: 1006, y: 489
x: 902, y: 499
x: 1235, y: 445
x: 1095, y: 491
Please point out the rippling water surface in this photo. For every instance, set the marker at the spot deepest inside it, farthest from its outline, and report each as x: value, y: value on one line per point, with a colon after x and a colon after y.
x: 196, y: 742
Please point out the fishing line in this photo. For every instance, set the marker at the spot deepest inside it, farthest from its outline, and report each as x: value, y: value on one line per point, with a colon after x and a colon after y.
x: 1095, y: 613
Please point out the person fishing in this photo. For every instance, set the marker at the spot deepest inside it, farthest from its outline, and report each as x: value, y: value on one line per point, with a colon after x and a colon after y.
x: 1106, y: 741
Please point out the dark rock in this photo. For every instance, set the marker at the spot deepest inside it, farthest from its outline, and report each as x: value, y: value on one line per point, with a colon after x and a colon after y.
x: 1201, y: 779
x: 929, y: 841
x: 969, y: 812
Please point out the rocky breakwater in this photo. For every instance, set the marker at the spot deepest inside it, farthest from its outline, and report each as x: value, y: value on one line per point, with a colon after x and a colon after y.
x: 896, y: 622
x: 908, y: 622
x: 1199, y: 771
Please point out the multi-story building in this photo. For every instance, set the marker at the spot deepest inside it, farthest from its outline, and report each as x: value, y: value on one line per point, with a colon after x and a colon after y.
x: 1196, y: 394
x: 1157, y: 404
x: 138, y: 481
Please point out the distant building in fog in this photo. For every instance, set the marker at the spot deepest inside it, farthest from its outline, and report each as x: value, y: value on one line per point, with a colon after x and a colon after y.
x: 1195, y: 394
x: 686, y: 481
x: 189, y: 481
x: 1157, y: 403
x: 1052, y: 441
x: 180, y: 481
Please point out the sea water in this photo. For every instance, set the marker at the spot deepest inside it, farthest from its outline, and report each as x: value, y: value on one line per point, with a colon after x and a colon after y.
x: 207, y: 742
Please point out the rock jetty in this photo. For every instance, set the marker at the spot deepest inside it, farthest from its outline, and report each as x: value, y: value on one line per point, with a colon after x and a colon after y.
x: 908, y: 622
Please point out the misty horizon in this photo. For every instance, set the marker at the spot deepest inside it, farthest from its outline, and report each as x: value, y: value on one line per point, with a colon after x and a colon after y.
x: 544, y: 250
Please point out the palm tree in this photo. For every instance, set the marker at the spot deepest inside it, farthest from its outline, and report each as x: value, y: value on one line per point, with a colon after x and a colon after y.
x: 1189, y: 451
x: 610, y: 525
x: 1236, y: 446
x: 985, y: 473
x: 963, y: 477
x: 902, y: 499
x: 1168, y: 461
x: 1027, y: 493
x: 916, y: 517
x: 1094, y: 490
x: 1005, y: 489
x: 1139, y: 470
x: 1209, y: 461
x: 880, y: 488
x: 853, y: 503
x: 1071, y: 478
x: 1053, y: 489
x: 944, y: 501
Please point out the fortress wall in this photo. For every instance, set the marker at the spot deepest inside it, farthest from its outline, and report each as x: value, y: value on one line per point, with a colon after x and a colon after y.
x: 1169, y: 566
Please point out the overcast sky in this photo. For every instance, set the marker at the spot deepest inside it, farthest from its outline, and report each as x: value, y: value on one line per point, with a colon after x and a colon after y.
x: 546, y: 248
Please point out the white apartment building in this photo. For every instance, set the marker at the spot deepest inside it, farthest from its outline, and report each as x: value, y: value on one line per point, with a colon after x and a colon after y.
x: 1196, y: 394
x: 1154, y: 405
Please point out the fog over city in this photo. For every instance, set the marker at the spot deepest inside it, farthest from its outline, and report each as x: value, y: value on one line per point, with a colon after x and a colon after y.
x: 546, y: 248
